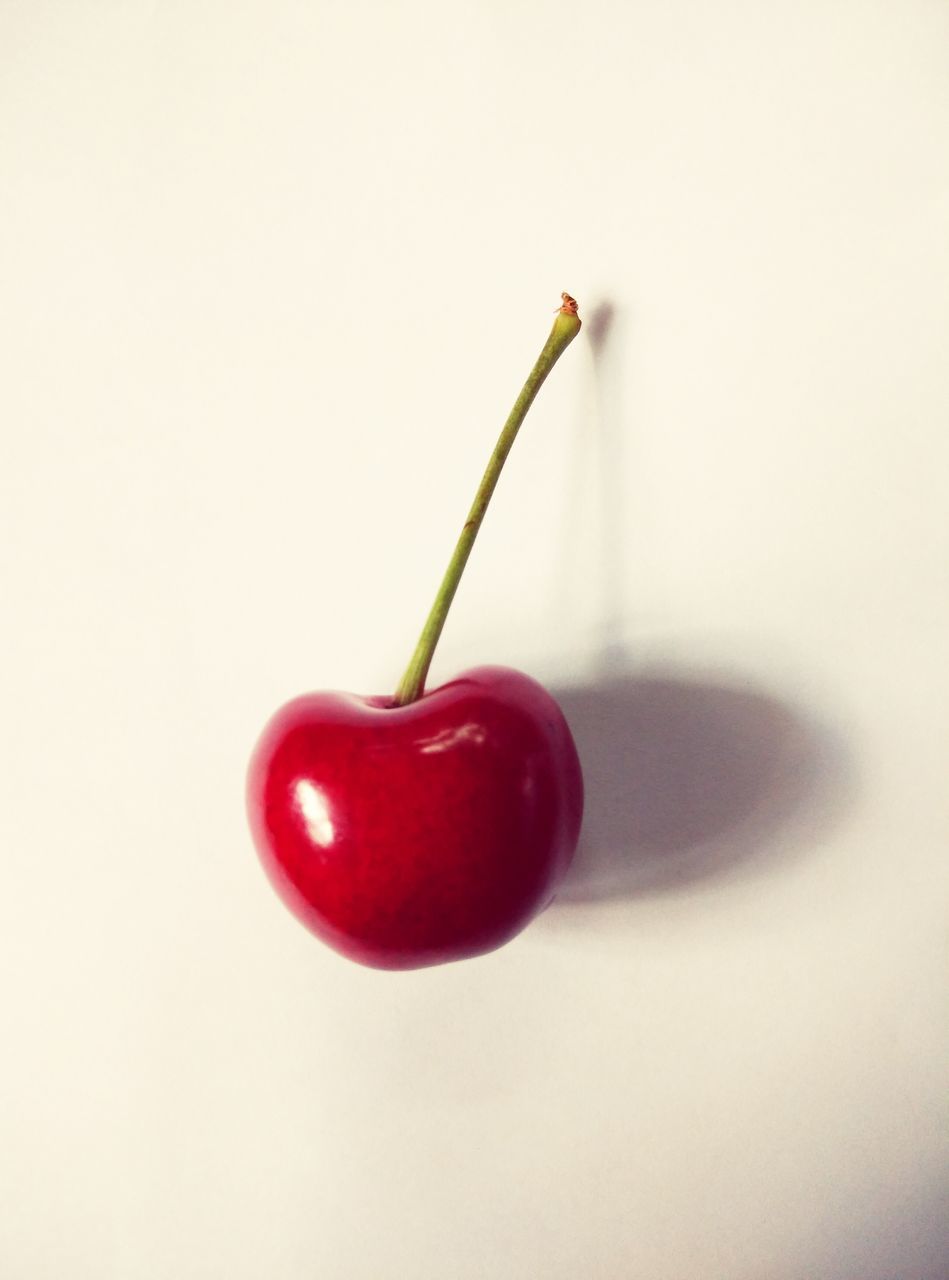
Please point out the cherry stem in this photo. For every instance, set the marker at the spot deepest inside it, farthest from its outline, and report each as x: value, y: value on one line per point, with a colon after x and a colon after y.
x: 566, y: 327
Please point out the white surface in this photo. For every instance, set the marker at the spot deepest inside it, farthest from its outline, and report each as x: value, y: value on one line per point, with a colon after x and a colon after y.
x: 272, y: 275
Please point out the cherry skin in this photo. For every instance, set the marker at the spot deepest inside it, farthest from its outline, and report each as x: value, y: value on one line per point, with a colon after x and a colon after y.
x: 406, y: 836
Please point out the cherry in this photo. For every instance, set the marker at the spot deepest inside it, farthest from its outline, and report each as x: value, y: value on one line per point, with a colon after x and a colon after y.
x: 407, y: 836
x: 420, y: 828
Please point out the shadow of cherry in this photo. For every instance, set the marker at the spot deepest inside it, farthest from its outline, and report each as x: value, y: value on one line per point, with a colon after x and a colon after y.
x: 688, y: 778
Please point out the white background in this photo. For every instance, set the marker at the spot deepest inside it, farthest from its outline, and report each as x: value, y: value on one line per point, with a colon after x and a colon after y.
x: 272, y: 274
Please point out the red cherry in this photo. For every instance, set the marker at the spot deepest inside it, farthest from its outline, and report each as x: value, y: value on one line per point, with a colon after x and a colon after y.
x: 412, y: 835
x: 425, y: 827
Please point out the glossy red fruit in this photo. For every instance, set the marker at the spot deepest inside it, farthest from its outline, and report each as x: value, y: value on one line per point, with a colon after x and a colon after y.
x: 411, y: 836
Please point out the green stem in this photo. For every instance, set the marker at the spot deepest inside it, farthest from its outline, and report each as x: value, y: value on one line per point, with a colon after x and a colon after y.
x: 566, y: 327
